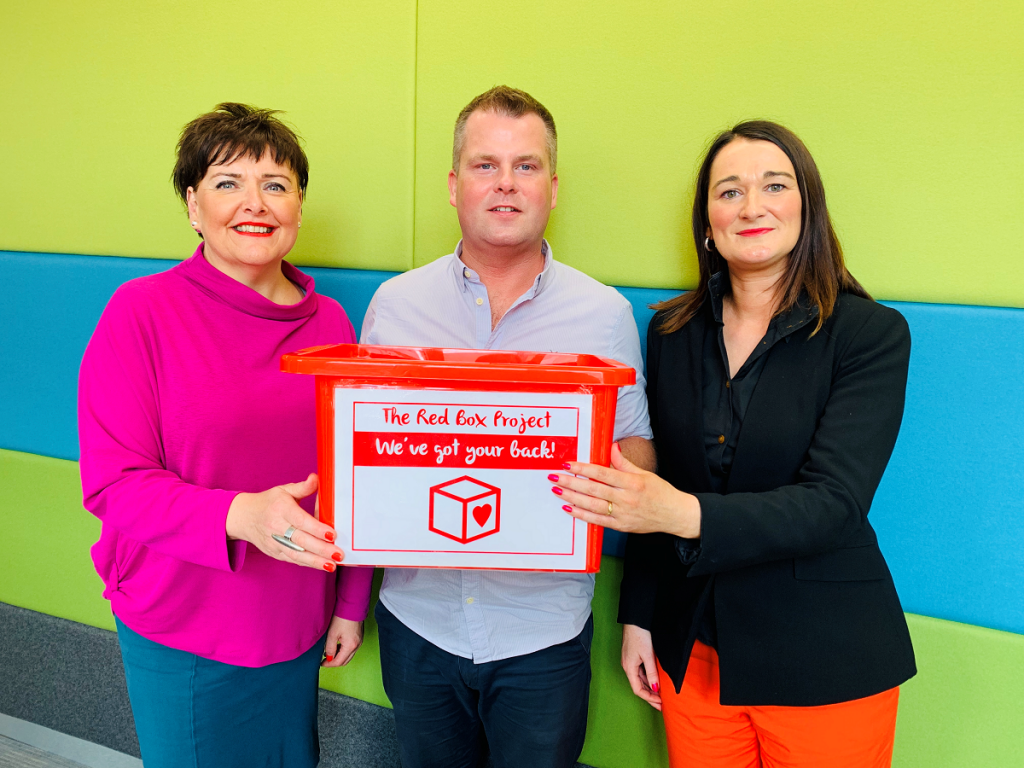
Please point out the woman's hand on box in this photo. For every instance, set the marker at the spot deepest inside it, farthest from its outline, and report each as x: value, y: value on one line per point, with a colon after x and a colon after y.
x: 344, y: 637
x: 626, y: 498
x: 256, y: 517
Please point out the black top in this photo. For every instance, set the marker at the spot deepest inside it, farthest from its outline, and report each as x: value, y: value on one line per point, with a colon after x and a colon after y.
x: 726, y: 399
x: 725, y: 403
x: 804, y: 606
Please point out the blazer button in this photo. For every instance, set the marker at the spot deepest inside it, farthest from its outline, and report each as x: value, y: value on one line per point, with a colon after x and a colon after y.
x: 721, y: 439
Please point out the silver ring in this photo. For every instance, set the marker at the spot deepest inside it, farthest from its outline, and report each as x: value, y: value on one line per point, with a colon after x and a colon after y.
x: 286, y: 540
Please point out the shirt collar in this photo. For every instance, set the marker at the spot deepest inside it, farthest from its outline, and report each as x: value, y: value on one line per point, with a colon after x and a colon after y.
x: 465, y: 276
x: 781, y: 325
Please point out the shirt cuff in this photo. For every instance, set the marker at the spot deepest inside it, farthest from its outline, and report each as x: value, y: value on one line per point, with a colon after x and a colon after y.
x: 688, y: 550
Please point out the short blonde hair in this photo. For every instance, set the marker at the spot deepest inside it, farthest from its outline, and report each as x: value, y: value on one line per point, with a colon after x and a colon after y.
x: 510, y: 102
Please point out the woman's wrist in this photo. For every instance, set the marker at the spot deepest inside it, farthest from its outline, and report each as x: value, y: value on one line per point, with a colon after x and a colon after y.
x: 233, y: 525
x: 686, y: 520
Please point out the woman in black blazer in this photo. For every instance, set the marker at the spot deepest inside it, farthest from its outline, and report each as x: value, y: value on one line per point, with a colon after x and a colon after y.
x: 776, y: 391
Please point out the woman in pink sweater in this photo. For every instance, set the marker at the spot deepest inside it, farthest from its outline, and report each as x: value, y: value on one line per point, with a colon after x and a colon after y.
x: 197, y: 454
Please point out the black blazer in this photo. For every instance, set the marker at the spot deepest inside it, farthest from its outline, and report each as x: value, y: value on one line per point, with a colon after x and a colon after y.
x: 805, y: 608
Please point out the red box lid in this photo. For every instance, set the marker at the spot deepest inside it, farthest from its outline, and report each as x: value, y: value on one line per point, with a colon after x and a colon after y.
x: 367, y: 361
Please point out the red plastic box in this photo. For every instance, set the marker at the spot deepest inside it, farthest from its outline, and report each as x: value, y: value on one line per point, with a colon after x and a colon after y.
x: 438, y: 457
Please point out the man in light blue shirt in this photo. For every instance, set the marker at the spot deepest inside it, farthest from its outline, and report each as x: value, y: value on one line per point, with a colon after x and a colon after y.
x: 499, y: 656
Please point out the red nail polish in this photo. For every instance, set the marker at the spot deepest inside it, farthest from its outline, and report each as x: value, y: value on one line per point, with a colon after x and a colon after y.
x: 567, y: 508
x: 557, y: 491
x: 553, y: 478
x: 330, y: 658
x: 329, y: 536
x: 329, y: 567
x: 566, y: 466
x: 656, y: 688
x: 336, y: 556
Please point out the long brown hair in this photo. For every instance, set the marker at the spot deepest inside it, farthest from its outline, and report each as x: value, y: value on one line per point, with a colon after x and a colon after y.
x: 816, y: 262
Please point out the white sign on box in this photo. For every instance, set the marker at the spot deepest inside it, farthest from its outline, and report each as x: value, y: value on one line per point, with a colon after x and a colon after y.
x: 457, y: 479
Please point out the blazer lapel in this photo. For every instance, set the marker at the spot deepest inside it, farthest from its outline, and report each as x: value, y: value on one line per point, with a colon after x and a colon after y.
x: 692, y: 390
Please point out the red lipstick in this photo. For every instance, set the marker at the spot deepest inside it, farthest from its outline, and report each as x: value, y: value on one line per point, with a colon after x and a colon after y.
x: 753, y: 232
x: 260, y: 224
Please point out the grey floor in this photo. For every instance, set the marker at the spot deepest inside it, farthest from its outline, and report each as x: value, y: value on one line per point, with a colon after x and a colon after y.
x: 14, y: 754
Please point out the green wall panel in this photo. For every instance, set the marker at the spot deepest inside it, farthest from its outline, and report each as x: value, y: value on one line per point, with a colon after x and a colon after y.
x: 96, y: 92
x: 963, y: 709
x: 914, y: 112
x: 360, y: 678
x: 622, y: 730
x: 47, y: 535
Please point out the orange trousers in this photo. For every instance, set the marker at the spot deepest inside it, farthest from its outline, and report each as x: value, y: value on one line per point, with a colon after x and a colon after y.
x: 705, y: 734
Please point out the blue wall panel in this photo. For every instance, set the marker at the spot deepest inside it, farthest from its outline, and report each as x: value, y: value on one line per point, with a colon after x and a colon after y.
x: 52, y: 305
x: 949, y: 512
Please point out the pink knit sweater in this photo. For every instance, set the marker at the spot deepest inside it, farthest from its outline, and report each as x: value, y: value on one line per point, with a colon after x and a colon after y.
x: 182, y: 405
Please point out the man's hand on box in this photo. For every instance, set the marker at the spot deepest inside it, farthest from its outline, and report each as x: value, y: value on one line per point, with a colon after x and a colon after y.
x: 344, y: 637
x: 257, y: 517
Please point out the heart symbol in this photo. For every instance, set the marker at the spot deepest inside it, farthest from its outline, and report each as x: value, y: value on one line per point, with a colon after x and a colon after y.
x: 482, y: 514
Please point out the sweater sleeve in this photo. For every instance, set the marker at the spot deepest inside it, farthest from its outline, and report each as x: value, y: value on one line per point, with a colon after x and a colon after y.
x: 354, y: 587
x: 845, y: 462
x: 125, y: 482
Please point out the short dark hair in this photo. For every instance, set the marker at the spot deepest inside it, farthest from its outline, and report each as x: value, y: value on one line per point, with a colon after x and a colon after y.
x: 816, y: 265
x: 232, y: 131
x: 510, y: 102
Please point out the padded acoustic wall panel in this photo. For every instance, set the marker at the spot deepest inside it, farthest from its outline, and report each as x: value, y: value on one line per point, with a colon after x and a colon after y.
x: 913, y: 110
x: 950, y: 510
x: 56, y: 301
x: 96, y: 92
x: 47, y: 567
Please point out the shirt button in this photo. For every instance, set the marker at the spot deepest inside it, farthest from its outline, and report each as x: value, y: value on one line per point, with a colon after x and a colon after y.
x: 479, y: 302
x: 465, y: 272
x: 721, y: 439
x: 469, y: 601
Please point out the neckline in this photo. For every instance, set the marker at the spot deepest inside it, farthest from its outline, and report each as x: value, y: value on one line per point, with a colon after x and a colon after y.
x: 226, y: 290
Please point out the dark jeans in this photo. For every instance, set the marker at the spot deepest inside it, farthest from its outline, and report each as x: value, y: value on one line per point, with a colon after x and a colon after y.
x: 530, y: 711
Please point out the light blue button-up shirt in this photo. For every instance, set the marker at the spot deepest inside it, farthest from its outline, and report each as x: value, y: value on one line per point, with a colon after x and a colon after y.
x: 491, y: 615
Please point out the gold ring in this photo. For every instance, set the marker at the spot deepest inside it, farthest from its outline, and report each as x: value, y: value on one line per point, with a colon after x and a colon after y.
x: 610, y: 509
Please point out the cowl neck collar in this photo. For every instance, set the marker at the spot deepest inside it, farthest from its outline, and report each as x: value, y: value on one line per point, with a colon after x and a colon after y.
x: 220, y: 287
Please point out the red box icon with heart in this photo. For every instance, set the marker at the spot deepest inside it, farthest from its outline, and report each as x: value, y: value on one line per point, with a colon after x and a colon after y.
x: 465, y: 509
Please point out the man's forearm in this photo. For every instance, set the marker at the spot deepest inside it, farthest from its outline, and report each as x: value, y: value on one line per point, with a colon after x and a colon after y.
x: 639, y: 451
